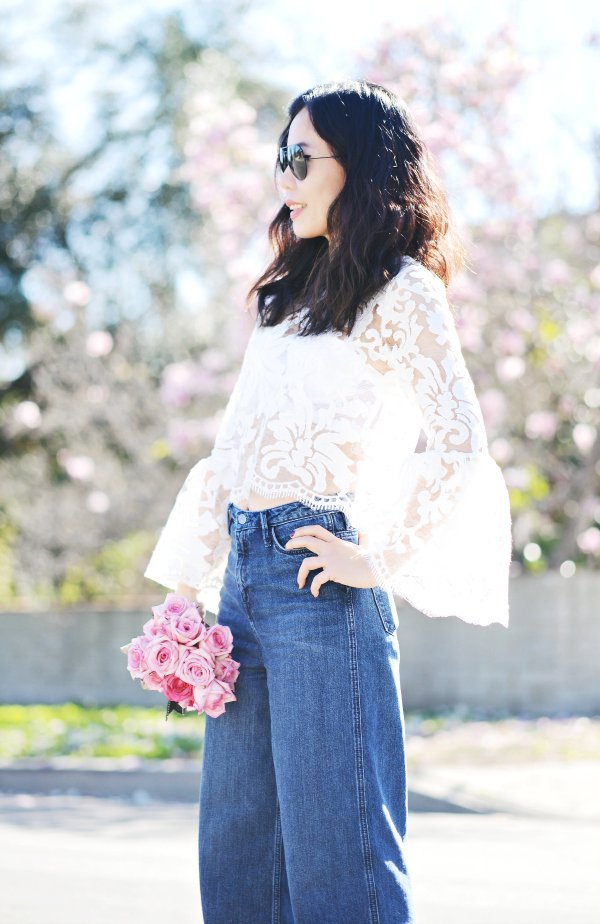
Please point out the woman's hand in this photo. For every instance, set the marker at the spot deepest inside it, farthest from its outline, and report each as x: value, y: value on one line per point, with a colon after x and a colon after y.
x: 341, y: 561
x: 186, y: 591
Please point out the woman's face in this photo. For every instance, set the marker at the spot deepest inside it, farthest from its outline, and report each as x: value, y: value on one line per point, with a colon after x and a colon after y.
x: 323, y: 182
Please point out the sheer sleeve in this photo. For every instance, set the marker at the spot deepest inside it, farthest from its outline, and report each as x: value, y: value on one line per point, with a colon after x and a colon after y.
x: 194, y: 542
x: 441, y: 534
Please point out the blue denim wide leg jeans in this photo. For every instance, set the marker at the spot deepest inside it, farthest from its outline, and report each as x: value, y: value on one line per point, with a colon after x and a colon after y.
x: 303, y: 797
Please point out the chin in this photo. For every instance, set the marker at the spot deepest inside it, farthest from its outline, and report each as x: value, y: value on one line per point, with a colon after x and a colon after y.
x: 309, y: 232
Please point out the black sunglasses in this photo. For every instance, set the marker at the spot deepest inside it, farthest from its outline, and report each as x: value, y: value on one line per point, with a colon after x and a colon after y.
x: 293, y: 156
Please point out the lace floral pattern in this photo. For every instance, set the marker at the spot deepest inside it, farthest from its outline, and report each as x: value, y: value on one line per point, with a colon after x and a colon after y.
x: 334, y: 421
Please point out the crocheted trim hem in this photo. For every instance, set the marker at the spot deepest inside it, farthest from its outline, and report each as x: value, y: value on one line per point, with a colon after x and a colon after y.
x: 343, y: 501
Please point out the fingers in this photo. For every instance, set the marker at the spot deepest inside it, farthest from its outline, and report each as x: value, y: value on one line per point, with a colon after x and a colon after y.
x: 314, y: 529
x: 317, y: 583
x: 308, y: 564
x: 310, y: 537
x: 306, y: 532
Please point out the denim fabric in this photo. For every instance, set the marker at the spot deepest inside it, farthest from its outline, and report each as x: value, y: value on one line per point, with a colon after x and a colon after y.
x: 303, y: 799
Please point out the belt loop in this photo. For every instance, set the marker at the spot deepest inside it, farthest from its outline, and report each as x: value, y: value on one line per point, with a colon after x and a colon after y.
x: 264, y: 522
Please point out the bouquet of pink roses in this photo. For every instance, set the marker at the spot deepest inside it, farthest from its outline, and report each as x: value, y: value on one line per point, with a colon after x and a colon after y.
x: 185, y: 658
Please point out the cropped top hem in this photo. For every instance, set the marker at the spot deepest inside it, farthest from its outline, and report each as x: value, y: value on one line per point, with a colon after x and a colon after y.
x: 293, y: 489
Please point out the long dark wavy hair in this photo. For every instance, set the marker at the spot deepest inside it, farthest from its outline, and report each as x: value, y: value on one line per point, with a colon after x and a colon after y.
x: 392, y: 203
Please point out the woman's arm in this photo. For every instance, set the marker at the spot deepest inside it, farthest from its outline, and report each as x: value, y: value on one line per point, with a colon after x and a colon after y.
x: 440, y: 526
x: 192, y: 547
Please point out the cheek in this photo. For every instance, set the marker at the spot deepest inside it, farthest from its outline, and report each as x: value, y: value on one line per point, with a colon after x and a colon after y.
x: 335, y: 185
x: 329, y: 191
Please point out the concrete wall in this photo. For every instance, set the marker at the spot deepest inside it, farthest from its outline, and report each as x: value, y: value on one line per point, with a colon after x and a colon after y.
x: 546, y: 662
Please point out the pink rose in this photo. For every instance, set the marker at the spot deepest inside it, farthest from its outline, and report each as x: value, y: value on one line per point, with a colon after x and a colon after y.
x: 175, y: 604
x: 152, y: 681
x: 156, y: 628
x: 226, y: 669
x: 219, y: 639
x: 178, y: 690
x: 162, y: 656
x: 212, y: 699
x: 187, y: 627
x: 136, y: 661
x: 195, y: 668
x: 202, y: 648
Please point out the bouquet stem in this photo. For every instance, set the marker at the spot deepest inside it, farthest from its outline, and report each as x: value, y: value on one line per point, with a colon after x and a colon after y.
x: 172, y: 705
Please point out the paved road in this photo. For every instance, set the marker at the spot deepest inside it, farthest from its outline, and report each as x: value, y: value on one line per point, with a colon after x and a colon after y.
x: 72, y: 859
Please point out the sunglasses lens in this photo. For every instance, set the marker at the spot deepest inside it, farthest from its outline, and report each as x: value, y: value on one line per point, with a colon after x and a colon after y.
x: 298, y: 163
x: 292, y: 156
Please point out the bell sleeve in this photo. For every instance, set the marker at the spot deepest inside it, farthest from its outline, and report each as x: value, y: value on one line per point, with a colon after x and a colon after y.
x: 441, y: 523
x: 194, y: 543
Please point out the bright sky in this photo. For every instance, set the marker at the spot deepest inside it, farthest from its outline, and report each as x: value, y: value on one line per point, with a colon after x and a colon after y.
x: 301, y: 44
x: 320, y: 39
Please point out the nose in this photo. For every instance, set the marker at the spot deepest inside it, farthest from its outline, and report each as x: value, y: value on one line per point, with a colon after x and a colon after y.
x: 286, y: 180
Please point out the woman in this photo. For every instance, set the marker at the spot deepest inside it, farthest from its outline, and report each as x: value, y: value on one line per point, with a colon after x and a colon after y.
x: 313, y: 508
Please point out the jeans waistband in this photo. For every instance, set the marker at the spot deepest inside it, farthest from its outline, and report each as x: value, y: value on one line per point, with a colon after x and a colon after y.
x: 281, y: 513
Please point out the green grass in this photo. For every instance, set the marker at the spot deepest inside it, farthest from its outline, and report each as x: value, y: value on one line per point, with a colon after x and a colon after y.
x: 116, y: 731
x: 453, y: 736
x: 464, y: 737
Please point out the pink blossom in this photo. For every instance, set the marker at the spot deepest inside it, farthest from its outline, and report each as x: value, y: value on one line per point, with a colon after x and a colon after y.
x: 184, y: 436
x: 226, y: 669
x: 178, y: 690
x: 194, y: 668
x: 159, y: 612
x: 510, y: 342
x: 493, y: 406
x: 541, y: 424
x: 219, y: 639
x: 136, y: 661
x: 589, y: 541
x: 152, y: 681
x: 584, y: 436
x: 174, y: 605
x: 202, y: 648
x: 155, y: 628
x: 557, y: 272
x: 162, y: 656
x: 212, y: 699
x: 99, y: 343
x: 510, y: 367
x: 182, y: 380
x: 501, y: 450
x: 187, y: 627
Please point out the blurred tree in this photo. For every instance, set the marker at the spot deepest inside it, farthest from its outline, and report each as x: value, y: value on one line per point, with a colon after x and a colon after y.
x: 528, y: 306
x: 136, y: 171
x: 119, y: 340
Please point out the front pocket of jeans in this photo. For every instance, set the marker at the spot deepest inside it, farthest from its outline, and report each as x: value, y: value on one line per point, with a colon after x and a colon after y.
x: 282, y: 533
x: 385, y: 610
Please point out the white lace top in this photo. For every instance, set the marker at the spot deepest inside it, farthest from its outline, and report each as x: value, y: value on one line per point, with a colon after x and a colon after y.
x: 334, y: 420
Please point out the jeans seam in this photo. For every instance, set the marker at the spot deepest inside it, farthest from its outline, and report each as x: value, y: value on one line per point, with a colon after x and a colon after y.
x: 243, y: 590
x: 266, y: 529
x: 360, y: 763
x: 277, y: 867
